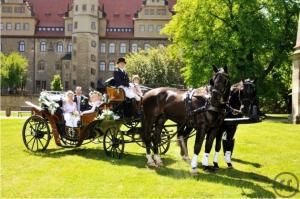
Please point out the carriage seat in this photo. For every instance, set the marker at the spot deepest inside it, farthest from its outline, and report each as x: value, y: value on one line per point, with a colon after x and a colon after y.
x: 88, y: 118
x: 115, y: 94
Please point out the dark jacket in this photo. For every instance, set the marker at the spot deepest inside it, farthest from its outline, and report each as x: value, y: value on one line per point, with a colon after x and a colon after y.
x: 84, y: 102
x: 121, y: 78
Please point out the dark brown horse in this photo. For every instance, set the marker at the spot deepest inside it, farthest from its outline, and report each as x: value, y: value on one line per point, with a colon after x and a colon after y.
x: 202, y: 109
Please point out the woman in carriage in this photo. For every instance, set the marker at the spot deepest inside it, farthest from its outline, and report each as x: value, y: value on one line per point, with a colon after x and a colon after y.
x: 95, y: 102
x: 71, y: 115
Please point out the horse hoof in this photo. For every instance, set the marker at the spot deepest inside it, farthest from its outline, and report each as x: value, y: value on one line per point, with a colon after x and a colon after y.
x: 194, y: 172
x: 229, y: 166
x: 216, y: 165
x: 160, y: 164
x: 151, y: 164
x: 186, y: 159
x: 208, y: 169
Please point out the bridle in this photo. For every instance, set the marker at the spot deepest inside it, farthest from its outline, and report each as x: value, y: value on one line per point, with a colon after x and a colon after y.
x: 246, y: 99
x: 223, y: 91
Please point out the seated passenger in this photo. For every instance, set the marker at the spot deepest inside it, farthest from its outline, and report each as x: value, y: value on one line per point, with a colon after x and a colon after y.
x: 71, y: 115
x: 95, y: 102
x: 135, y: 87
x: 121, y: 79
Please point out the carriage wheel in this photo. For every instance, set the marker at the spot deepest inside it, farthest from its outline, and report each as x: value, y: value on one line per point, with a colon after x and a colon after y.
x: 69, y: 137
x: 132, y: 124
x: 113, y: 143
x: 165, y: 141
x: 36, y: 133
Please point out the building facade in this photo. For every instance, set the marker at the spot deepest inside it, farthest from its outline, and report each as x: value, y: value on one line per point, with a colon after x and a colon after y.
x: 80, y: 39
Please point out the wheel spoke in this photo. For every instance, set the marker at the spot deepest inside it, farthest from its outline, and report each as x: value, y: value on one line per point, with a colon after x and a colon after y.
x: 30, y: 140
x: 41, y: 143
x: 37, y: 144
x: 33, y: 144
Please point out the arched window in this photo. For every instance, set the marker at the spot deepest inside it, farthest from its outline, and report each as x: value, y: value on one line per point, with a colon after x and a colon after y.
x: 102, y: 66
x: 147, y: 47
x: 41, y: 65
x: 123, y: 48
x: 134, y: 48
x: 69, y: 48
x: 112, y: 48
x: 21, y: 46
x: 43, y: 46
x: 60, y: 47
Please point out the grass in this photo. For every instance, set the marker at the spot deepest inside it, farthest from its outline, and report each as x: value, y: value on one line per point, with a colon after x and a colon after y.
x: 15, y: 114
x: 262, y: 151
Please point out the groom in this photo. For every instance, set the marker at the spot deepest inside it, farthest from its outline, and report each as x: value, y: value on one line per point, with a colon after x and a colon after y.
x: 82, y: 102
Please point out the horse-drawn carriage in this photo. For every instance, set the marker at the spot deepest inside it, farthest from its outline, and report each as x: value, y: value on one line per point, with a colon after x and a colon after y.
x: 111, y: 125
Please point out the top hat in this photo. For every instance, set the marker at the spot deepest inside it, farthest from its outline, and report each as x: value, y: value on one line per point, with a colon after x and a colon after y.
x: 121, y: 60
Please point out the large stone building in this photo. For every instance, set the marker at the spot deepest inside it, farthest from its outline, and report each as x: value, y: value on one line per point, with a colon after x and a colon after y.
x: 79, y: 39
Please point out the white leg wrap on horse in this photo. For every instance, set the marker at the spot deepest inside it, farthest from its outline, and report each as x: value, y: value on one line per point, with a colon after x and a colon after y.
x: 157, y: 158
x: 194, y: 162
x: 216, y: 157
x: 205, y: 159
x: 228, y: 156
x: 149, y: 158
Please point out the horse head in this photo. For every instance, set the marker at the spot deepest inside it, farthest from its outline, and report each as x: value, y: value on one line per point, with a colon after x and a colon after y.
x: 220, y: 86
x: 247, y: 95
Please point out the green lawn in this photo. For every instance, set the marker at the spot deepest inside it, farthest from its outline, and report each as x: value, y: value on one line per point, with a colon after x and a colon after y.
x: 262, y: 151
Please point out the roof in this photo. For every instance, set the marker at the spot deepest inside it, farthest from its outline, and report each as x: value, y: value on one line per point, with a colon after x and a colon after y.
x: 119, y: 14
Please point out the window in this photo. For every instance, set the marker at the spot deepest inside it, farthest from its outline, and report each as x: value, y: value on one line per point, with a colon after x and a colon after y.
x: 59, y: 47
x: 93, y: 43
x: 74, y: 82
x: 8, y: 26
x: 44, y: 84
x: 70, y: 27
x: 102, y: 47
x: 146, y: 11
x: 75, y: 24
x: 102, y: 66
x: 19, y: 10
x: 41, y: 65
x: 93, y: 58
x: 66, y: 85
x: 21, y: 46
x: 76, y: 8
x: 26, y: 26
x: 84, y: 7
x: 112, y: 48
x: 134, y: 48
x: 161, y: 12
x: 123, y: 48
x: 57, y: 66
x: 93, y: 8
x: 43, y: 46
x: 1, y: 26
x: 38, y: 85
x: 17, y: 26
x: 69, y: 47
x: 146, y: 47
x: 93, y: 25
x: 151, y: 11
x: 111, y: 66
x: 158, y: 28
x: 142, y: 28
x: 93, y: 71
x: 150, y: 28
x: 6, y: 9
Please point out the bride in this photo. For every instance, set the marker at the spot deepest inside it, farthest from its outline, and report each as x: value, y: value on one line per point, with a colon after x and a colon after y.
x: 71, y: 115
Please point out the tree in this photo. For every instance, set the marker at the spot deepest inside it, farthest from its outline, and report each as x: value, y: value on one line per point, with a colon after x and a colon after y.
x: 253, y: 37
x: 13, y: 70
x: 157, y: 67
x: 56, y: 84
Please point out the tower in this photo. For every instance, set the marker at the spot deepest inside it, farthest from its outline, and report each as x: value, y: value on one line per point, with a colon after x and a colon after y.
x: 295, y: 117
x: 85, y: 39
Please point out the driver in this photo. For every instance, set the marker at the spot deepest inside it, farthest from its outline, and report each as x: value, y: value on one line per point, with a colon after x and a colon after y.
x: 122, y: 80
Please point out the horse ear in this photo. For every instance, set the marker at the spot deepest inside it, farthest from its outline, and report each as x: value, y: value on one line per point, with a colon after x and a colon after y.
x: 215, y: 68
x: 225, y: 69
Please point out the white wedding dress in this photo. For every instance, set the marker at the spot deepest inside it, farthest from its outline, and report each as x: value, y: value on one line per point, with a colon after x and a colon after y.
x: 70, y: 118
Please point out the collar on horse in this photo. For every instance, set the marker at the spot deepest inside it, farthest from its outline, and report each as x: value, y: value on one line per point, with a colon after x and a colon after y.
x: 206, y: 107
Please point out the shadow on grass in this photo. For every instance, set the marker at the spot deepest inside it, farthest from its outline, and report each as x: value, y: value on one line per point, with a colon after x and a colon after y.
x: 254, y: 164
x: 246, y: 181
x: 277, y: 119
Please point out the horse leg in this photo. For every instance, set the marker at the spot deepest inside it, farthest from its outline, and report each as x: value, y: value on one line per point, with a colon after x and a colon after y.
x: 211, y: 135
x: 147, y: 140
x: 183, y: 133
x: 157, y: 140
x: 228, y: 144
x: 200, y: 134
x: 217, y: 148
